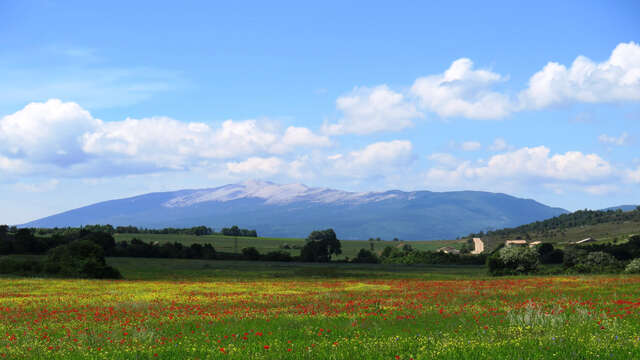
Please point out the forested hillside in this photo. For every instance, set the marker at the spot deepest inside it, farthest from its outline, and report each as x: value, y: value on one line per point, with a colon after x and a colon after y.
x: 610, y: 226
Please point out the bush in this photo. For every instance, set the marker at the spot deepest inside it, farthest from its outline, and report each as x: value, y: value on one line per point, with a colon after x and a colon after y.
x: 251, y: 253
x: 366, y: 257
x: 20, y: 267
x: 513, y: 260
x: 597, y: 262
x: 278, y: 256
x: 633, y: 267
x: 80, y: 258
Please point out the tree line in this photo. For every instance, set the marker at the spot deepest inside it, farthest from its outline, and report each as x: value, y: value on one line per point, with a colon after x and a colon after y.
x: 110, y: 229
x: 587, y: 258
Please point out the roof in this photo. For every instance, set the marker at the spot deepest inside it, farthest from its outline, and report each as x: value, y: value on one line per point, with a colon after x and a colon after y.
x: 589, y: 239
x: 535, y: 243
x: 516, y: 242
x: 449, y: 249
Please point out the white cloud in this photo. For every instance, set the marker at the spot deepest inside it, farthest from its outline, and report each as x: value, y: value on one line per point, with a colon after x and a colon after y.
x: 462, y: 91
x: 47, y: 132
x: 444, y: 159
x: 376, y: 158
x: 300, y: 136
x: 38, y: 187
x: 525, y: 165
x: 600, y: 189
x: 622, y: 140
x: 257, y: 166
x: 63, y: 135
x: 617, y: 79
x: 633, y: 176
x: 470, y: 146
x: 369, y: 110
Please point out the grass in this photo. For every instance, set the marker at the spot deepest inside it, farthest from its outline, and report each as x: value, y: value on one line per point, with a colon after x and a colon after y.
x: 192, y: 309
x: 215, y: 270
x: 265, y: 244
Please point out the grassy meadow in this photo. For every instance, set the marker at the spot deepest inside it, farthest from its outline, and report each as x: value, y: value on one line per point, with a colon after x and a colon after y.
x: 266, y: 244
x: 203, y: 309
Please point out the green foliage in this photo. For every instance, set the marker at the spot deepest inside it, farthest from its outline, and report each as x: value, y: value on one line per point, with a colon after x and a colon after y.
x: 277, y: 256
x: 605, y: 225
x: 320, y: 246
x: 597, y: 262
x: 366, y: 257
x: 80, y: 258
x: 513, y: 260
x: 251, y: 253
x: 549, y: 255
x: 236, y: 231
x: 633, y: 267
x: 407, y: 255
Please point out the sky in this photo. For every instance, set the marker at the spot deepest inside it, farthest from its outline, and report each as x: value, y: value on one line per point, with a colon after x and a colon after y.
x: 104, y: 100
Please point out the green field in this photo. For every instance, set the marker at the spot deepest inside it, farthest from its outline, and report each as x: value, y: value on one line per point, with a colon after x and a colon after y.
x: 214, y: 270
x: 265, y: 244
x: 199, y: 309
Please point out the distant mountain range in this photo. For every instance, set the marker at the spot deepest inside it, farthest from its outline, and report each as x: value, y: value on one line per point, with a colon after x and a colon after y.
x: 294, y: 210
x: 622, y: 207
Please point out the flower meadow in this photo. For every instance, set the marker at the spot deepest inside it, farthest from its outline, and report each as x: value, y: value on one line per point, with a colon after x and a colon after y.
x: 509, y: 318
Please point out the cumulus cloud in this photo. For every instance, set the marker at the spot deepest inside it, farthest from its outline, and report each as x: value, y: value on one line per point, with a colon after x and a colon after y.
x: 49, y: 132
x: 58, y: 134
x: 616, y: 79
x: 621, y: 140
x: 528, y: 164
x: 462, y: 91
x: 300, y: 136
x: 369, y: 110
x: 374, y: 159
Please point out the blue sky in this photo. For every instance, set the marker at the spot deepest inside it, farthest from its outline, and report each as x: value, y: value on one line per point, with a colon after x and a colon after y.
x: 99, y: 101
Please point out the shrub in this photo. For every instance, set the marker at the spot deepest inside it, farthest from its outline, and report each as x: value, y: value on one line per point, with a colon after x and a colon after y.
x: 251, y: 253
x: 366, y: 257
x: 513, y: 260
x: 80, y: 258
x: 596, y: 262
x: 278, y: 256
x: 633, y: 267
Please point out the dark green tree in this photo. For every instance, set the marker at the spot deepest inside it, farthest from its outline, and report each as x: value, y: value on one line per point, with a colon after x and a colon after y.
x: 320, y: 246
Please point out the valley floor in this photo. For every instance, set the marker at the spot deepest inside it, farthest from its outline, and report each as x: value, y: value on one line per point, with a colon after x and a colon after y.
x: 174, y: 309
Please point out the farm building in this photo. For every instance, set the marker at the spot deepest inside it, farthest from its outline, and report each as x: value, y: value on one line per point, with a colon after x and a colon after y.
x: 587, y: 240
x: 449, y: 250
x: 515, y: 243
x: 532, y: 244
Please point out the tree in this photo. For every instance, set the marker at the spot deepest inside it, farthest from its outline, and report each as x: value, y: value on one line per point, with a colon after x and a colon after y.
x: 320, y: 246
x: 513, y: 260
x: 251, y: 253
x: 80, y: 258
x: 366, y: 256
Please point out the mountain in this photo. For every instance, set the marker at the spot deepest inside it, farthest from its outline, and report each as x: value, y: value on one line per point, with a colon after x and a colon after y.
x: 294, y: 210
x: 622, y: 207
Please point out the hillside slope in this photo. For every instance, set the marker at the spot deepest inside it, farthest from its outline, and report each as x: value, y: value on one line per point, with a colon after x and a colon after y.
x: 605, y: 226
x: 294, y: 210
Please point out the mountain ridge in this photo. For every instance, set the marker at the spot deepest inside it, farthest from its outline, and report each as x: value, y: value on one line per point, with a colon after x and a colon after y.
x: 294, y: 210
